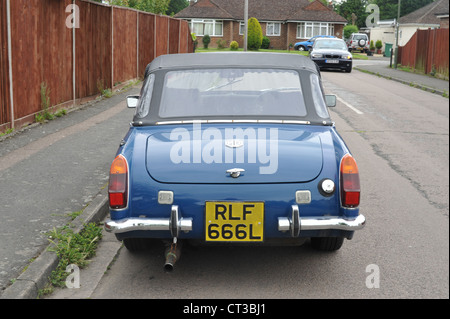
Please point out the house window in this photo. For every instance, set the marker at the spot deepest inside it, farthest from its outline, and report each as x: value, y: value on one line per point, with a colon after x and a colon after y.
x: 209, y: 27
x: 241, y: 28
x: 306, y: 30
x: 273, y: 29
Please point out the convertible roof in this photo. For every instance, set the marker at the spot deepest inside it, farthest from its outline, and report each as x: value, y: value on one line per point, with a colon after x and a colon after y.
x: 232, y: 59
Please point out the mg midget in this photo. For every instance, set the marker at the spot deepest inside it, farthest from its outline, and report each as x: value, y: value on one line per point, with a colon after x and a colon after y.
x: 233, y: 148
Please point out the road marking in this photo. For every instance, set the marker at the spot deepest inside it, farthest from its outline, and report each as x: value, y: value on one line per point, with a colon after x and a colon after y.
x: 349, y: 105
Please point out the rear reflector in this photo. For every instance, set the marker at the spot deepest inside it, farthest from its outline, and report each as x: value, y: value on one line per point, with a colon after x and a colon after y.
x: 350, y: 187
x: 118, y: 183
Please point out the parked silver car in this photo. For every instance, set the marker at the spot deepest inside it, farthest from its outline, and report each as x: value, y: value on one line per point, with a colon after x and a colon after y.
x: 358, y: 41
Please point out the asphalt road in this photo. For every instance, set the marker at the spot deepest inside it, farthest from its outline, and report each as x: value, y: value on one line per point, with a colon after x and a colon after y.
x: 400, y: 138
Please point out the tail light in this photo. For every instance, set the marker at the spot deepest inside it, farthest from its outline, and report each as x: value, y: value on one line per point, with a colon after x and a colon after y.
x: 118, y: 183
x: 350, y: 188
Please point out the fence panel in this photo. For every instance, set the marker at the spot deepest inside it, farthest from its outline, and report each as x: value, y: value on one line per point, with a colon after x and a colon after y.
x: 146, y: 41
x: 162, y: 35
x: 174, y: 36
x: 185, y: 35
x: 42, y: 52
x: 93, y: 49
x: 427, y: 51
x: 5, y: 116
x: 422, y: 50
x: 112, y: 45
x: 441, y: 56
x: 125, y: 45
x: 408, y: 52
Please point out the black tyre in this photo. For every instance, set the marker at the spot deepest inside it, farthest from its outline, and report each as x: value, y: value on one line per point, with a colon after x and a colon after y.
x: 348, y: 70
x: 136, y: 244
x: 327, y: 243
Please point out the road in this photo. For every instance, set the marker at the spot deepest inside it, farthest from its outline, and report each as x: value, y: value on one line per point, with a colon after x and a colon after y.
x: 400, y: 138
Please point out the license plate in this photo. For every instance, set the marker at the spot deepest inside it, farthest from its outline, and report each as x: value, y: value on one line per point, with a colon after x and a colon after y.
x: 332, y: 61
x: 234, y: 221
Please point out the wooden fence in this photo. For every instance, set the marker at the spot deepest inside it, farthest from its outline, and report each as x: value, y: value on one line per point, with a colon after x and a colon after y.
x: 427, y: 52
x: 108, y: 46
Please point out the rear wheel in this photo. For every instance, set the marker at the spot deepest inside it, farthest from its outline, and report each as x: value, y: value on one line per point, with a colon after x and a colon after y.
x: 327, y: 243
x: 136, y: 244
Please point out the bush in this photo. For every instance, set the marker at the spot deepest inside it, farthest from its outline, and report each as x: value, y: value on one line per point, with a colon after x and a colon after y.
x: 378, y: 44
x: 221, y: 44
x: 206, y: 40
x: 234, y: 46
x: 255, y: 34
x: 348, y: 30
x: 265, y: 43
x: 372, y: 47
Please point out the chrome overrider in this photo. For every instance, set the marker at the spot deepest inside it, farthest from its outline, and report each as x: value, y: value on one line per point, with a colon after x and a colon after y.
x: 175, y: 224
x: 294, y: 223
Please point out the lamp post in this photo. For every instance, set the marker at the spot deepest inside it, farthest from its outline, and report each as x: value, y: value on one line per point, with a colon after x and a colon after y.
x: 396, y: 36
x: 246, y: 25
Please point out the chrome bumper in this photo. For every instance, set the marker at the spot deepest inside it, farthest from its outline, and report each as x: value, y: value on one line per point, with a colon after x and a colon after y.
x: 295, y: 224
x: 175, y: 224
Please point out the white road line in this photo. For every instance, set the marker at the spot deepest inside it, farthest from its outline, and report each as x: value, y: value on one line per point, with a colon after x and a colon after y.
x: 349, y: 105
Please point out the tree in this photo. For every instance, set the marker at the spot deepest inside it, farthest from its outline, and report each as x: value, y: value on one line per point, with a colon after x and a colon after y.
x: 389, y: 8
x: 154, y: 6
x: 355, y: 7
x: 349, y: 29
x: 255, y: 34
x: 176, y: 6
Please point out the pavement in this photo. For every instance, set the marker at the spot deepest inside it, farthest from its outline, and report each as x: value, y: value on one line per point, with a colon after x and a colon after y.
x: 102, y: 123
x: 380, y: 66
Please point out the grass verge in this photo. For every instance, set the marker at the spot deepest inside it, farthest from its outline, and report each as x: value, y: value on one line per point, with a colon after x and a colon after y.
x: 72, y: 249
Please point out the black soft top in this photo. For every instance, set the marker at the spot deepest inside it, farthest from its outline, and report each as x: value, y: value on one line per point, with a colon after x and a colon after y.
x: 244, y: 60
x: 232, y: 59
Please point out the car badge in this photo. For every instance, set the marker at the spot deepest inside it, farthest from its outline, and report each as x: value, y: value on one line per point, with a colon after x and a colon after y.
x: 234, y: 143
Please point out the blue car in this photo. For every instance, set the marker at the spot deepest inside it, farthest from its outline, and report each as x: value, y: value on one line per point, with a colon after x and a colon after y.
x: 234, y: 148
x: 306, y: 45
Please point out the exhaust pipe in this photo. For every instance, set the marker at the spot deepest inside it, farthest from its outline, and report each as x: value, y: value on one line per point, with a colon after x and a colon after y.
x: 172, y: 255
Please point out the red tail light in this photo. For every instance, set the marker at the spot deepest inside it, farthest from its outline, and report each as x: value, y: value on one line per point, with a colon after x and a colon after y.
x: 118, y: 183
x: 350, y: 188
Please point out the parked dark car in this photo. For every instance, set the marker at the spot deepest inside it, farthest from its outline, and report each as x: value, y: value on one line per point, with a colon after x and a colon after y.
x: 332, y: 54
x: 234, y: 148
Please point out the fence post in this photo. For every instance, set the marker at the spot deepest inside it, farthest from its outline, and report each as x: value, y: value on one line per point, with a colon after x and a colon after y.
x: 137, y: 44
x: 74, y: 60
x: 11, y: 89
x: 112, y: 47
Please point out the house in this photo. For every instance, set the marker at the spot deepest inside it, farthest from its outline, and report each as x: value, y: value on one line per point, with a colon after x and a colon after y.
x: 423, y: 18
x: 431, y: 16
x: 384, y: 31
x: 283, y: 22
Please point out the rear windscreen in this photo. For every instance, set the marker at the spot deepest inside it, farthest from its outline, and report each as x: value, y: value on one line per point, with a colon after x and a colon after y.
x: 231, y: 92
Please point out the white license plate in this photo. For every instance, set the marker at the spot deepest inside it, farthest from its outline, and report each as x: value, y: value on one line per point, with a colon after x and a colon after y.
x: 332, y: 61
